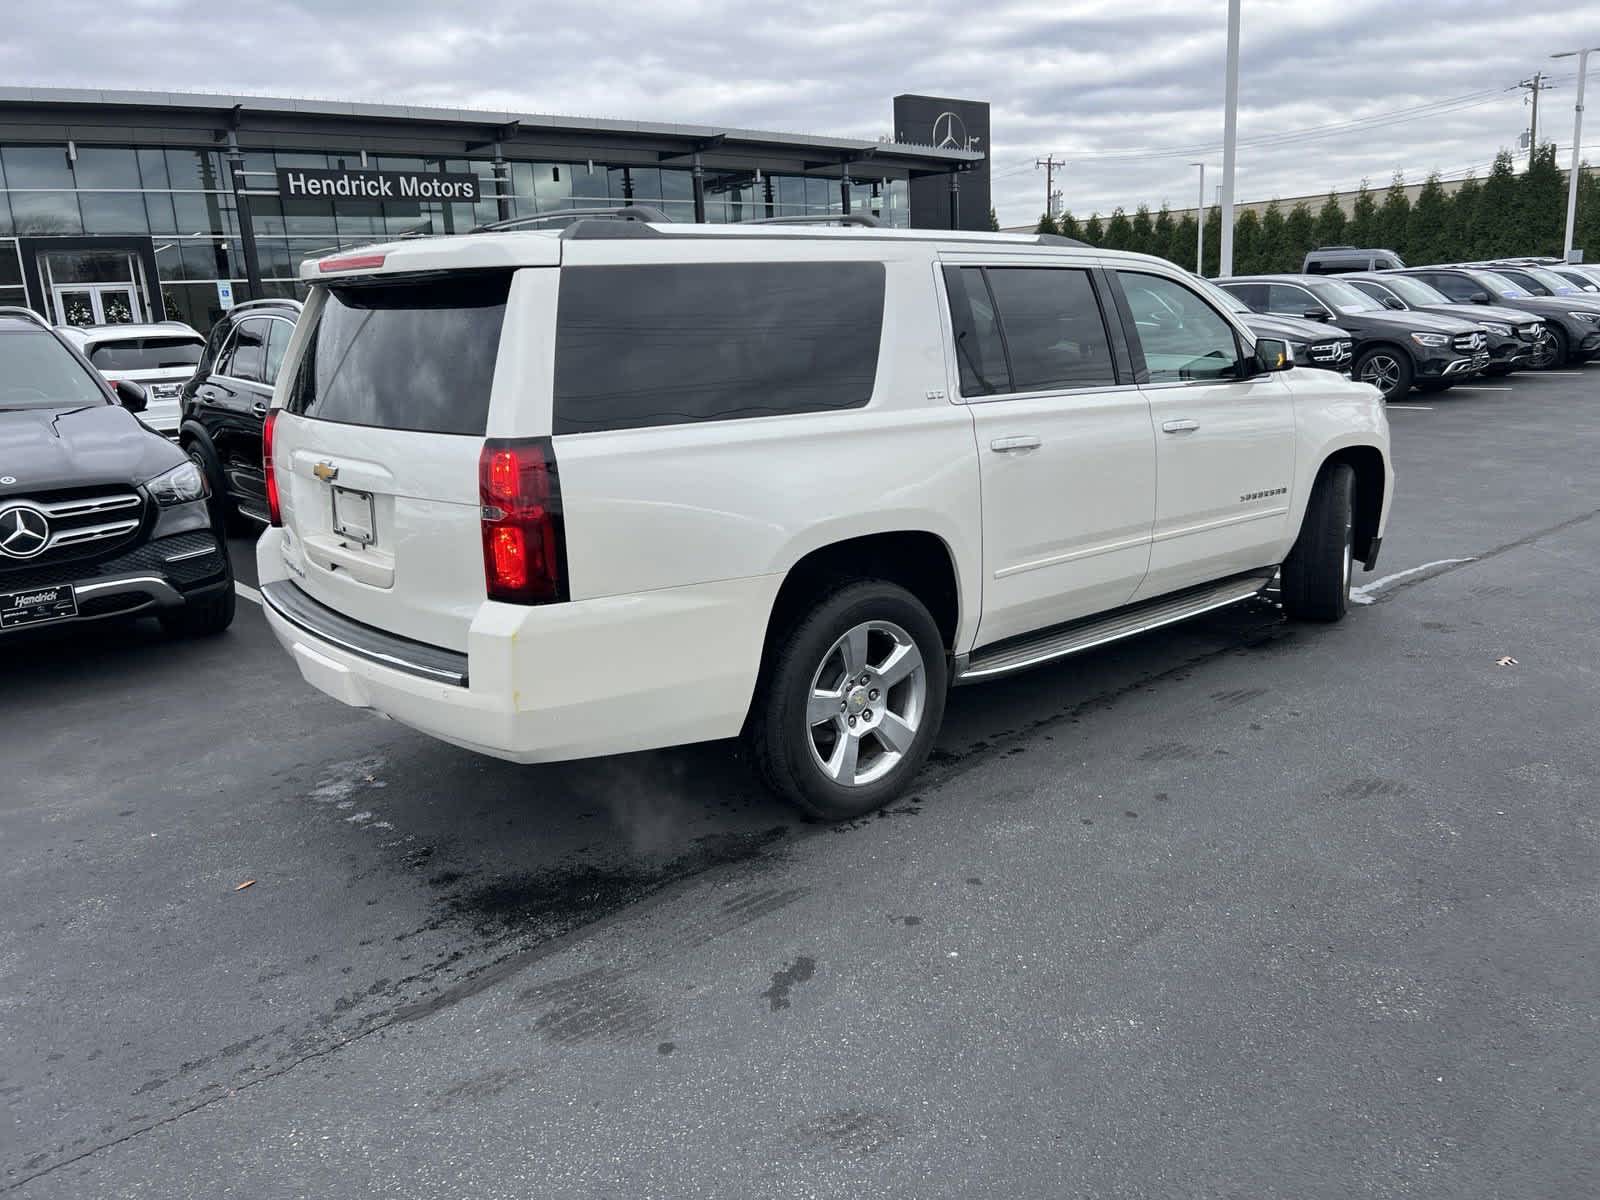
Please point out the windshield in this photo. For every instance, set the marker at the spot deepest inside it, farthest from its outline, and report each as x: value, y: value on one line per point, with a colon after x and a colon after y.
x: 1414, y: 291
x: 1344, y: 298
x: 146, y: 353
x: 1223, y: 297
x: 36, y: 371
x: 1549, y: 279
x: 1499, y: 284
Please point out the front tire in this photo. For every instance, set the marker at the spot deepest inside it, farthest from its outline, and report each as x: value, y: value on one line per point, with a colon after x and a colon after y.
x: 1436, y: 385
x: 1316, y: 575
x: 1387, y: 369
x: 1560, y: 349
x: 851, y: 701
x: 225, y: 516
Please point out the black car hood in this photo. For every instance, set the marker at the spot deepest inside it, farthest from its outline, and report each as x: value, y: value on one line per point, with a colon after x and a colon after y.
x: 43, y: 448
x: 1555, y: 305
x: 1478, y: 313
x: 1294, y: 329
x: 1408, y: 321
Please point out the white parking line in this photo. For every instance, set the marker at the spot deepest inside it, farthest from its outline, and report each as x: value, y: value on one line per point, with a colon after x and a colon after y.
x: 1364, y: 594
x: 1409, y: 407
x: 1462, y: 387
x: 1563, y: 374
x: 247, y: 592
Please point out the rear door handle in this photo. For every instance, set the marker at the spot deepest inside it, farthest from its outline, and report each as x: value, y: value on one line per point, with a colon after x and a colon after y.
x: 1013, y: 445
x: 1179, y: 426
x: 258, y: 409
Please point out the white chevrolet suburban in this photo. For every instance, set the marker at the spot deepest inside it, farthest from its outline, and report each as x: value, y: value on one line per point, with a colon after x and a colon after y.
x: 553, y: 495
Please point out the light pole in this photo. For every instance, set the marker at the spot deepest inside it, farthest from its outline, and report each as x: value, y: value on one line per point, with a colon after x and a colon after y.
x: 1577, y: 142
x: 1200, y: 223
x: 1230, y: 129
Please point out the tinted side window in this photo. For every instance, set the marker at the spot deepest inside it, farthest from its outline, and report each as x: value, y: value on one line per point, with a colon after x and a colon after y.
x: 1459, y: 289
x: 415, y: 355
x: 1053, y: 330
x: 1376, y: 291
x: 1525, y: 281
x: 1183, y: 338
x: 979, y: 351
x: 1254, y: 295
x: 246, y: 356
x: 1287, y: 301
x: 669, y: 344
x: 278, y: 335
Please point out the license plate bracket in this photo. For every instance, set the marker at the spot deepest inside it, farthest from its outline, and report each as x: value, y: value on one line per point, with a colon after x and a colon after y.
x: 353, y: 516
x: 37, y: 606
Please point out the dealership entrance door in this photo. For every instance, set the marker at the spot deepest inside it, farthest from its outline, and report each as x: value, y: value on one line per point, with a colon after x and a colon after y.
x: 93, y: 287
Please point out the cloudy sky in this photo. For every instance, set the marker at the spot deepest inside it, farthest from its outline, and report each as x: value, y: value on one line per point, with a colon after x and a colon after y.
x: 1128, y: 93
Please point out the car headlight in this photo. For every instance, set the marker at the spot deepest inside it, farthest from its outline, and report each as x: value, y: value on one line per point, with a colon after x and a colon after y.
x: 179, y: 486
x: 1588, y: 318
x: 1499, y: 330
x: 1299, y: 352
x: 1431, y: 339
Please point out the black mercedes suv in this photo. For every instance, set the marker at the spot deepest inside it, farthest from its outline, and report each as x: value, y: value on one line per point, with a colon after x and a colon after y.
x: 99, y: 515
x: 225, y: 406
x: 1515, y: 339
x: 1394, y: 350
x: 1573, y: 322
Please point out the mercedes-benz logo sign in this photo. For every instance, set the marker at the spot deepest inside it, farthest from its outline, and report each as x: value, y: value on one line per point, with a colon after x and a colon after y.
x: 24, y: 531
x: 949, y: 132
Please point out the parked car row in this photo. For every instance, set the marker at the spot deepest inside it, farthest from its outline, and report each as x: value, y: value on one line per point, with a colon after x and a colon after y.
x: 1432, y: 327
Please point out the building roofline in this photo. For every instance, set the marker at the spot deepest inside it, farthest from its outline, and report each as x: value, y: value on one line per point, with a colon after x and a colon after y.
x: 223, y: 105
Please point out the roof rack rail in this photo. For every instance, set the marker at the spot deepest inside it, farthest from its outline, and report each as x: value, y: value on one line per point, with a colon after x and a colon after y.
x: 274, y: 301
x: 1058, y: 239
x: 17, y: 310
x: 626, y: 212
x: 866, y: 219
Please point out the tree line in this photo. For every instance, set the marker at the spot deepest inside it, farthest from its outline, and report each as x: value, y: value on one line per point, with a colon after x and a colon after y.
x: 1504, y: 215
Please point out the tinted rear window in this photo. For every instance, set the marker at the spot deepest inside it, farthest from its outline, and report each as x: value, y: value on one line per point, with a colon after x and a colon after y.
x: 416, y: 354
x: 146, y: 353
x: 676, y: 343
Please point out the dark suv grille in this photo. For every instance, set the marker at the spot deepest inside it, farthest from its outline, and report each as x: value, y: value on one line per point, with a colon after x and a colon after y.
x: 198, y: 558
x: 1530, y: 333
x: 78, y: 522
x: 1469, y: 343
x: 1334, y: 352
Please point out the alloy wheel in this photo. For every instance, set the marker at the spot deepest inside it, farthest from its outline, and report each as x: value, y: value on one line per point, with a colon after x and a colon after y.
x: 868, y: 698
x: 1382, y: 371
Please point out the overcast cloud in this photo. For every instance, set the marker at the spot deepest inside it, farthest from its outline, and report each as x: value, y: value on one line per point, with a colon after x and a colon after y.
x: 1109, y: 86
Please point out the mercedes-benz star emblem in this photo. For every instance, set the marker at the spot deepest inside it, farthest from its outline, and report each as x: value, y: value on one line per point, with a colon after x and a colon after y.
x: 24, y: 532
x: 949, y: 132
x: 7, y: 480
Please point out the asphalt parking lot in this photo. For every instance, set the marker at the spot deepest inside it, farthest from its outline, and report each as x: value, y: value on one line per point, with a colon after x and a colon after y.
x: 1237, y: 909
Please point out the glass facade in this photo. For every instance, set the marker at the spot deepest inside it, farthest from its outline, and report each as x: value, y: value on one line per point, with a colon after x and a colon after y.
x: 180, y: 198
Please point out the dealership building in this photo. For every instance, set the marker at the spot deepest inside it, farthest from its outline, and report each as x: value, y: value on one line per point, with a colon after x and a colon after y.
x: 143, y: 206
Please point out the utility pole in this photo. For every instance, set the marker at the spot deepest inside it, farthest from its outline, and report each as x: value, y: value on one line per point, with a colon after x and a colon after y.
x: 1200, y: 223
x: 1534, y: 86
x: 1049, y: 163
x: 1230, y: 131
x: 1577, y: 142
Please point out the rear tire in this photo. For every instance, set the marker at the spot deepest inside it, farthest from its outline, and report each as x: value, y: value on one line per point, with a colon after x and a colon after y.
x: 227, y: 519
x: 203, y: 617
x: 1387, y: 369
x: 1316, y: 575
x: 850, y: 702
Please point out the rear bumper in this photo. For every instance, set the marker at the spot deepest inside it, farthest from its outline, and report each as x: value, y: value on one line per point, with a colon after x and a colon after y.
x: 545, y: 683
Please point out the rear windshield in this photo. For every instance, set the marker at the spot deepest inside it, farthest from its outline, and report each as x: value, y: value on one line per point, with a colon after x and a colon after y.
x: 146, y: 353
x: 668, y: 344
x: 36, y: 371
x: 417, y: 354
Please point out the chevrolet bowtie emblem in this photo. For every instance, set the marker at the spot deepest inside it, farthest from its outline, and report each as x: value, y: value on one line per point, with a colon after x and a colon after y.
x: 326, y: 472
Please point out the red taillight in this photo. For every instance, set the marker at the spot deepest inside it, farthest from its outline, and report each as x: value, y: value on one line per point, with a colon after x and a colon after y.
x: 524, y: 543
x: 270, y: 471
x: 352, y: 262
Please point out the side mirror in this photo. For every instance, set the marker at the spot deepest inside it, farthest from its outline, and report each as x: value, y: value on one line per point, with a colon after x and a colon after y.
x: 1273, y: 354
x: 1480, y: 297
x: 1393, y: 302
x: 131, y: 395
x: 1318, y: 314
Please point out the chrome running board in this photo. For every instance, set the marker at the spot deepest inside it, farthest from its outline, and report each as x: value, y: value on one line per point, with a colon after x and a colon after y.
x: 1031, y: 650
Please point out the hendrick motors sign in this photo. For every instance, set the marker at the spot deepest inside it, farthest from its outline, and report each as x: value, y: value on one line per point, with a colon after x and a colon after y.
x: 407, y: 187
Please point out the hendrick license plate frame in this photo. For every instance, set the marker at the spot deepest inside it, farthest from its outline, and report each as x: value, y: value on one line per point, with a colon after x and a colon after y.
x: 353, y: 515
x: 38, y: 606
